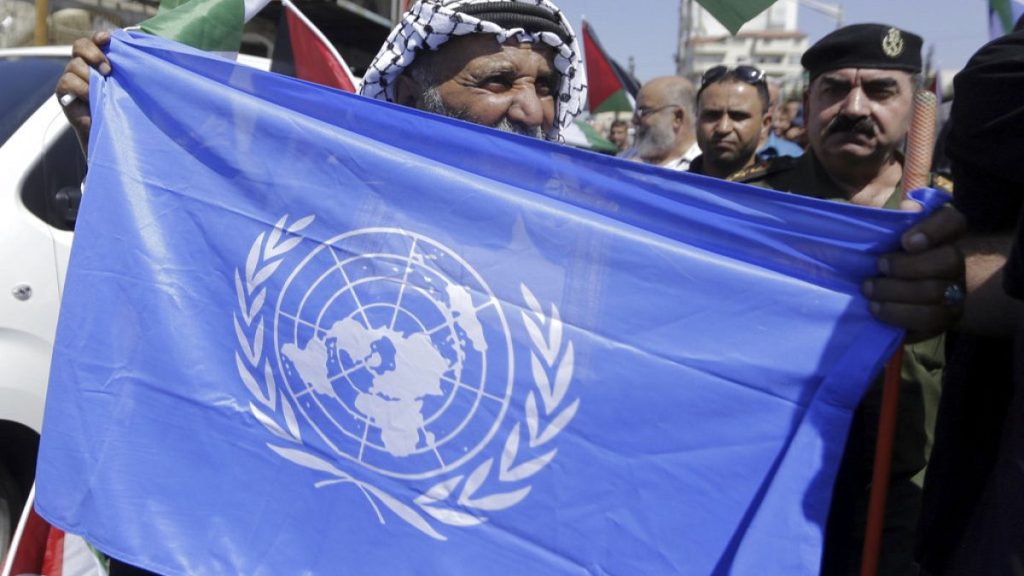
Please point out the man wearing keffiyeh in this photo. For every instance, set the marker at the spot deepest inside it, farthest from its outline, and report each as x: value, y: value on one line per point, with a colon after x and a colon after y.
x: 512, y: 65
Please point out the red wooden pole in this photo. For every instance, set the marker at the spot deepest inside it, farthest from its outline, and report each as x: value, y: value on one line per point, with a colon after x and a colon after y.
x: 920, y: 144
x: 883, y: 465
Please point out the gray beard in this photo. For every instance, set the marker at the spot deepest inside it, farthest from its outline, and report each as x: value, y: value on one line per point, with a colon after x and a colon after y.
x: 431, y: 102
x: 655, y: 142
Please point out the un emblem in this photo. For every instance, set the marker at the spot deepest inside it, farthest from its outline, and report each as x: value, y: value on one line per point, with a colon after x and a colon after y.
x: 393, y: 351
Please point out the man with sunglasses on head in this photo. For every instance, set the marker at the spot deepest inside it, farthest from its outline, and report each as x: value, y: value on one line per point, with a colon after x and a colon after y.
x: 664, y: 124
x: 857, y: 111
x: 732, y: 119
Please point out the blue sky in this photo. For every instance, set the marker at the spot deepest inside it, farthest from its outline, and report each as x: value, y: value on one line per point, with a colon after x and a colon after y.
x: 648, y: 29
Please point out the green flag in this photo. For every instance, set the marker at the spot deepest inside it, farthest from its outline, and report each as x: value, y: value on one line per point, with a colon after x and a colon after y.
x: 1002, y: 15
x: 583, y: 135
x: 735, y: 13
x: 214, y: 25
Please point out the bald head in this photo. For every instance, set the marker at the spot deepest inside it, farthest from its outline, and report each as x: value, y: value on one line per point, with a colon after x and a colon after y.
x: 664, y: 119
x: 669, y: 90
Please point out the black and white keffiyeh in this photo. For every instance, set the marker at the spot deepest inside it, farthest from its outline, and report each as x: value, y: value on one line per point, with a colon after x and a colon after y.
x: 431, y: 23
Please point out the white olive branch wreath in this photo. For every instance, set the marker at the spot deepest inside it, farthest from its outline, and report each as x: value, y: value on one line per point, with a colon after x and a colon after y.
x: 552, y: 368
x: 551, y: 358
x: 263, y: 260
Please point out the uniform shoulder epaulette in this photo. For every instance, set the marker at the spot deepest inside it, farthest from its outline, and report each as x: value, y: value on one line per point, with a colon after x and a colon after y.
x: 762, y: 170
x: 942, y: 183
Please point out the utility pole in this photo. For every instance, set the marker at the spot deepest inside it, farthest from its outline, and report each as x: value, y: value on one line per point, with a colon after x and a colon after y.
x: 42, y: 10
x: 684, y: 52
x: 826, y: 8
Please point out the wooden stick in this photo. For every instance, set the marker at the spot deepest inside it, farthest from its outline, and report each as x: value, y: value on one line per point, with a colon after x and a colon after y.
x: 920, y: 142
x: 883, y: 464
x: 916, y: 174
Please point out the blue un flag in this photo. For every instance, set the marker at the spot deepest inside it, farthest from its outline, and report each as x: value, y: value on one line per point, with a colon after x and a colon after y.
x: 307, y: 332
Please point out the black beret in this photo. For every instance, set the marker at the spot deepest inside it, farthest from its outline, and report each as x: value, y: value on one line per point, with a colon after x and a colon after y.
x: 864, y: 46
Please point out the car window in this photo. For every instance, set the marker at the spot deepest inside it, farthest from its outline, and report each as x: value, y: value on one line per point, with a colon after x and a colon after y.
x: 27, y: 82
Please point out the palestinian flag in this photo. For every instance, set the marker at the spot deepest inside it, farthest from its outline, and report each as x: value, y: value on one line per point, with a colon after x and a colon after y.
x: 39, y: 549
x: 213, y: 25
x: 733, y: 14
x: 301, y: 50
x: 610, y: 88
x: 583, y: 135
x: 1003, y: 15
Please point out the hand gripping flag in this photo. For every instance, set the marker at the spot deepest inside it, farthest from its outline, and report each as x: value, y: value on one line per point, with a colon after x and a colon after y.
x: 308, y: 332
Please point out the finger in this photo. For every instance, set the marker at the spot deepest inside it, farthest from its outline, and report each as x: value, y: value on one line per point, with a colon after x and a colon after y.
x: 91, y: 54
x: 911, y: 206
x: 73, y: 94
x: 71, y: 83
x: 921, y: 292
x: 945, y: 262
x: 101, y: 38
x: 920, y: 321
x: 943, y: 226
x: 78, y: 68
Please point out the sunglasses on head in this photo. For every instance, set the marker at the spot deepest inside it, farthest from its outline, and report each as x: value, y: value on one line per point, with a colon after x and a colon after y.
x: 748, y: 74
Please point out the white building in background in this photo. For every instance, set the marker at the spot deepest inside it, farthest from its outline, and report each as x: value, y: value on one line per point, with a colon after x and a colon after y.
x: 771, y: 41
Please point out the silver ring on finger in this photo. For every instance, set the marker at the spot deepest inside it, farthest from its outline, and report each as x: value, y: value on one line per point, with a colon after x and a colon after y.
x: 954, y: 295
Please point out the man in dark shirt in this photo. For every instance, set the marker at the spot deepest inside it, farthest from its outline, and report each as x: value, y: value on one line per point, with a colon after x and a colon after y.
x: 973, y: 517
x: 732, y: 119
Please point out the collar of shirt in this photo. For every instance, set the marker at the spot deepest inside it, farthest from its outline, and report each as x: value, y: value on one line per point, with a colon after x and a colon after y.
x: 682, y: 163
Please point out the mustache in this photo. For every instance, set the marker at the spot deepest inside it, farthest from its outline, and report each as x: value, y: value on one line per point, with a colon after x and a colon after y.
x: 507, y: 125
x: 857, y: 124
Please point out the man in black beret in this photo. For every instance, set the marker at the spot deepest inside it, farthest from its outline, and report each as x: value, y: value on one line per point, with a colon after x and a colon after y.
x: 857, y: 111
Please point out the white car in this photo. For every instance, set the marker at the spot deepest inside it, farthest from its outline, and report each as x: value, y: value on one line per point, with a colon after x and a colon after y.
x: 42, y: 168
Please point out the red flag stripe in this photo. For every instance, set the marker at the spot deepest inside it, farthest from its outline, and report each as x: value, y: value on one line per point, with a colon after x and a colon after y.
x: 602, y: 81
x: 316, y: 59
x: 53, y: 562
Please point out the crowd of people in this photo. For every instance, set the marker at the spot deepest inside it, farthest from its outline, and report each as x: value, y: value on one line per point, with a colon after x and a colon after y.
x: 649, y: 139
x: 516, y: 66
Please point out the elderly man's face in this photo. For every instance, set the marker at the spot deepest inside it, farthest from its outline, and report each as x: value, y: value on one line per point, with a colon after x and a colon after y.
x: 510, y: 86
x: 730, y: 119
x: 859, y: 113
x: 656, y: 123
